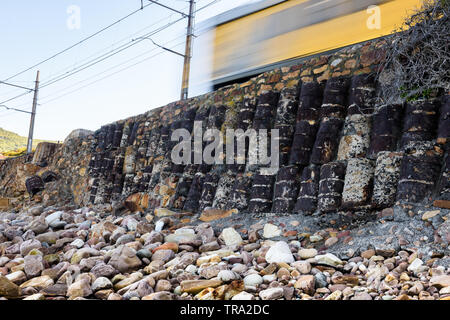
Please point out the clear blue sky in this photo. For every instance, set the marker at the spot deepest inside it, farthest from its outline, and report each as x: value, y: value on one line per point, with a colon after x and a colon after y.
x: 31, y: 31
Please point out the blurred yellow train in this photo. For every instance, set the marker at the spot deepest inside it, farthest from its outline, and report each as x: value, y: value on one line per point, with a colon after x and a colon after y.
x: 267, y: 34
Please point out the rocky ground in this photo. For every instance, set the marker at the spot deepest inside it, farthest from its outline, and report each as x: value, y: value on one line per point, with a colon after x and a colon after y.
x: 88, y: 253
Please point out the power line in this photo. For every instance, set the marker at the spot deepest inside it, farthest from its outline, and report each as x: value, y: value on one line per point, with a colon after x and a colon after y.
x: 117, y: 50
x: 101, y: 57
x: 110, y: 75
x: 105, y: 56
x: 121, y: 40
x: 78, y: 43
x: 13, y: 98
x: 113, y: 67
x: 209, y: 4
x: 133, y: 34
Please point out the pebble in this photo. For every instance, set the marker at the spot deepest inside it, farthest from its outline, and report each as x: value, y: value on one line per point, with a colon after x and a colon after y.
x: 307, y: 253
x: 253, y: 280
x: 92, y: 255
x: 243, y: 296
x: 271, y: 231
x: 279, y: 252
x: 231, y: 237
x: 329, y: 259
x: 416, y: 266
x: 227, y: 275
x: 271, y: 294
x: 101, y: 283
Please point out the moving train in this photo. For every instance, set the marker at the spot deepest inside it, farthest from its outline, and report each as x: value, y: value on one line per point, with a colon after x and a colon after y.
x: 264, y: 35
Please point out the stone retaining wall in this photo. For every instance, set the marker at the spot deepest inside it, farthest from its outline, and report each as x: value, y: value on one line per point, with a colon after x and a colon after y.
x: 339, y: 150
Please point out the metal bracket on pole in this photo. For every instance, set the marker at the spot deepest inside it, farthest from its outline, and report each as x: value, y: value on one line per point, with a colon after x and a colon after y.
x: 19, y: 110
x: 15, y: 85
x: 160, y: 46
x: 172, y: 9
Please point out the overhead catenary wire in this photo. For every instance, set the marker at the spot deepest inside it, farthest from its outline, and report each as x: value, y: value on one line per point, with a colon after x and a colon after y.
x: 111, y: 68
x: 134, y: 33
x: 207, y: 5
x: 78, y: 43
x: 110, y: 75
x: 113, y: 52
x: 102, y: 57
x: 105, y: 56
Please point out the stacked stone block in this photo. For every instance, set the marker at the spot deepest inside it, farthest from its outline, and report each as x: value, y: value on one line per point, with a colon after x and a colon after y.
x: 333, y: 112
x: 331, y: 185
x: 261, y: 194
x: 420, y: 121
x: 386, y: 129
x: 419, y: 172
x: 286, y: 189
x: 307, y: 122
x: 309, y: 190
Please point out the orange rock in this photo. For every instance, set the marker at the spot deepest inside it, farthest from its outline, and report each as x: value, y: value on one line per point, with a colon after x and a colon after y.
x: 290, y: 233
x: 215, y: 214
x: 137, y: 202
x: 167, y: 246
x: 445, y: 204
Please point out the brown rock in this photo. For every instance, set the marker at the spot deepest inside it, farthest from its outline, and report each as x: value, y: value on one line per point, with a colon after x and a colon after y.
x: 124, y: 259
x: 195, y: 286
x: 8, y: 289
x: 445, y: 204
x: 167, y: 246
x: 346, y: 279
x: 440, y: 281
x: 306, y: 284
x: 368, y: 254
x: 215, y: 214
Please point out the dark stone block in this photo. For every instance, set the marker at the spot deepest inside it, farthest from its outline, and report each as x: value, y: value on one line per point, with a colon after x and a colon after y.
x: 266, y: 110
x: 49, y: 176
x: 195, y: 191
x: 309, y: 189
x: 117, y: 137
x: 240, y: 193
x: 444, y: 121
x: 418, y: 175
x: 420, y: 121
x: 303, y: 142
x: 331, y: 185
x: 261, y: 193
x: 133, y: 133
x: 34, y: 185
x: 209, y: 188
x: 336, y: 91
x: 327, y: 140
x: 362, y: 91
x: 286, y: 189
x: 443, y: 187
x: 310, y: 101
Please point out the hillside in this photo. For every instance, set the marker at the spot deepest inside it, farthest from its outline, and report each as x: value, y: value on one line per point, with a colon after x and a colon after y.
x: 10, y: 141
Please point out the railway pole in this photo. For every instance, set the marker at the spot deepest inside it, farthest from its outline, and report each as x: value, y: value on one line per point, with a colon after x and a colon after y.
x: 188, y: 49
x: 33, y: 114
